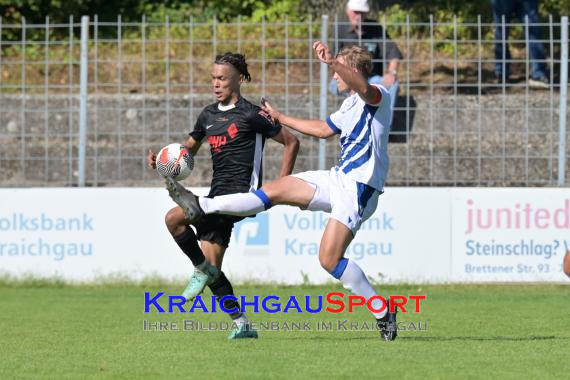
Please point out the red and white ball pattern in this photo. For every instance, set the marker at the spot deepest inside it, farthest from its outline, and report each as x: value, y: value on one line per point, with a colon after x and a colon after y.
x: 174, y: 161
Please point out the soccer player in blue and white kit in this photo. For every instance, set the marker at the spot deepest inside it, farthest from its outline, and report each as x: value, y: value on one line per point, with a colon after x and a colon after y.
x: 349, y: 191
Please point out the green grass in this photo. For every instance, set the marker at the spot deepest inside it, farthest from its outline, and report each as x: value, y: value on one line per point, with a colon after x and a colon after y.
x: 510, y: 331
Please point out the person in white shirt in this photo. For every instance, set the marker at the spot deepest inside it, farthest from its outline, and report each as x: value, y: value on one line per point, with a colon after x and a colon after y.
x: 349, y: 191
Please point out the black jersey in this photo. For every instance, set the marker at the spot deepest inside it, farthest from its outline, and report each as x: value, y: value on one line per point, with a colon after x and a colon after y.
x: 236, y: 137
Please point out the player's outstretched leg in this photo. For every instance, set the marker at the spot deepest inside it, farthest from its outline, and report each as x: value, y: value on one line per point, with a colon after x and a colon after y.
x: 185, y: 199
x: 387, y: 325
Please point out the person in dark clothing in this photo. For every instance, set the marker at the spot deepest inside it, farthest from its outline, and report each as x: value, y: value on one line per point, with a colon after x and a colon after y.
x: 236, y: 131
x: 539, y: 75
x: 370, y: 35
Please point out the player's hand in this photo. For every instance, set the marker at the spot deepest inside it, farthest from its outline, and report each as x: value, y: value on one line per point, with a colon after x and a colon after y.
x: 151, y: 159
x: 268, y: 108
x: 323, y: 53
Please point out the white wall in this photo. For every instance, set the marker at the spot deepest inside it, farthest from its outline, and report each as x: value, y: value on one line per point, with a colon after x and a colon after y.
x: 416, y: 235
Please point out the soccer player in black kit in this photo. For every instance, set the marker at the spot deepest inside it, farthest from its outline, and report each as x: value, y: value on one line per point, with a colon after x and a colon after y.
x: 236, y: 131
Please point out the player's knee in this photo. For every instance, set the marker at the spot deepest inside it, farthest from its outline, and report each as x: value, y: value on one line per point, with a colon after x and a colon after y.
x: 273, y: 192
x: 279, y: 191
x: 173, y: 221
x: 328, y: 263
x: 567, y: 263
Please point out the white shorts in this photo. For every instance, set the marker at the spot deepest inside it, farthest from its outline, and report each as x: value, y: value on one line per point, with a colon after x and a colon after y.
x: 348, y: 201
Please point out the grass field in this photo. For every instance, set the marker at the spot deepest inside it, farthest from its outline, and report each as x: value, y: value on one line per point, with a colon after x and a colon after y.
x: 509, y: 331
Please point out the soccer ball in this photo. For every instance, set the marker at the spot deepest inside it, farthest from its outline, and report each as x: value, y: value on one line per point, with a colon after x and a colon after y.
x: 174, y: 161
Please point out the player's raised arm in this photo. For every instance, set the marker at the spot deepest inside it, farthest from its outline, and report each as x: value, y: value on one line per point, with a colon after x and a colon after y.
x: 355, y: 80
x: 315, y: 128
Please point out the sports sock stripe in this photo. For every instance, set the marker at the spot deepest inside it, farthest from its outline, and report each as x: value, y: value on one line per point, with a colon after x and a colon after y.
x: 339, y: 268
x: 264, y: 198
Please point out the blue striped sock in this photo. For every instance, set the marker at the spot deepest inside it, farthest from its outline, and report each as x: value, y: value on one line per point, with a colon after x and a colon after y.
x: 264, y: 198
x: 339, y: 268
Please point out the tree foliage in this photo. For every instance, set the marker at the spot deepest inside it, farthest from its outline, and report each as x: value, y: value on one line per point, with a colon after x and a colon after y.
x: 59, y: 11
x: 35, y: 11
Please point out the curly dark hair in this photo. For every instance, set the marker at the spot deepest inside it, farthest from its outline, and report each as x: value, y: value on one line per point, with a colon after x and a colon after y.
x: 236, y: 60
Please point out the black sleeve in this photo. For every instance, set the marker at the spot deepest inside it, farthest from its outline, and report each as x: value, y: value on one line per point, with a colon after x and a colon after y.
x: 261, y: 122
x: 199, y: 128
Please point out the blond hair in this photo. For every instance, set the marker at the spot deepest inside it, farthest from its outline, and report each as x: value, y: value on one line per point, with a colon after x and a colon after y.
x: 357, y: 58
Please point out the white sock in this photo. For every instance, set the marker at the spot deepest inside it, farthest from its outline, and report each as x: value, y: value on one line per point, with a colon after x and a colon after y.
x: 354, y: 279
x: 241, y: 320
x: 240, y: 204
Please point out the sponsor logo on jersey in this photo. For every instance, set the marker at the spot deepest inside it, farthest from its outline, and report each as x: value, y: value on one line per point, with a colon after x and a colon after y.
x: 233, y: 130
x: 216, y: 142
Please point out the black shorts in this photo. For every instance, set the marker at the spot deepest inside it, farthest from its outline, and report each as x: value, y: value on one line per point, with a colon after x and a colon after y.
x: 216, y: 228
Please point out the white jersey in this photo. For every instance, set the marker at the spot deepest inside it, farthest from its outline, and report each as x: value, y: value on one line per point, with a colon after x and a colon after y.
x: 364, y: 131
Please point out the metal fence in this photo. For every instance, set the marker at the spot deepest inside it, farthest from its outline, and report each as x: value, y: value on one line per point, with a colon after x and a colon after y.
x: 83, y: 105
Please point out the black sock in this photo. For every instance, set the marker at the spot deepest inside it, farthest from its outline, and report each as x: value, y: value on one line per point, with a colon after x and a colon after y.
x: 188, y: 243
x: 222, y: 287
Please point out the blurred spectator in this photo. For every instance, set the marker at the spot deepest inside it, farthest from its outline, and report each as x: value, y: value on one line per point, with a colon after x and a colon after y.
x: 539, y: 76
x: 372, y: 36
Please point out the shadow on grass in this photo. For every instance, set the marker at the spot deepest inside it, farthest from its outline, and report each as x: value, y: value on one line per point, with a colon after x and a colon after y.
x: 481, y: 338
x: 433, y: 338
x: 331, y: 337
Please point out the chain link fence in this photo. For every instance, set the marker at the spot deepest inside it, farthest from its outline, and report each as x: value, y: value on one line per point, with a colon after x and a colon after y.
x: 455, y: 124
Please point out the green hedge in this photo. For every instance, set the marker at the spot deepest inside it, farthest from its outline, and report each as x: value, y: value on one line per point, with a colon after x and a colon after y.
x: 12, y: 11
x: 467, y: 9
x: 59, y: 11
